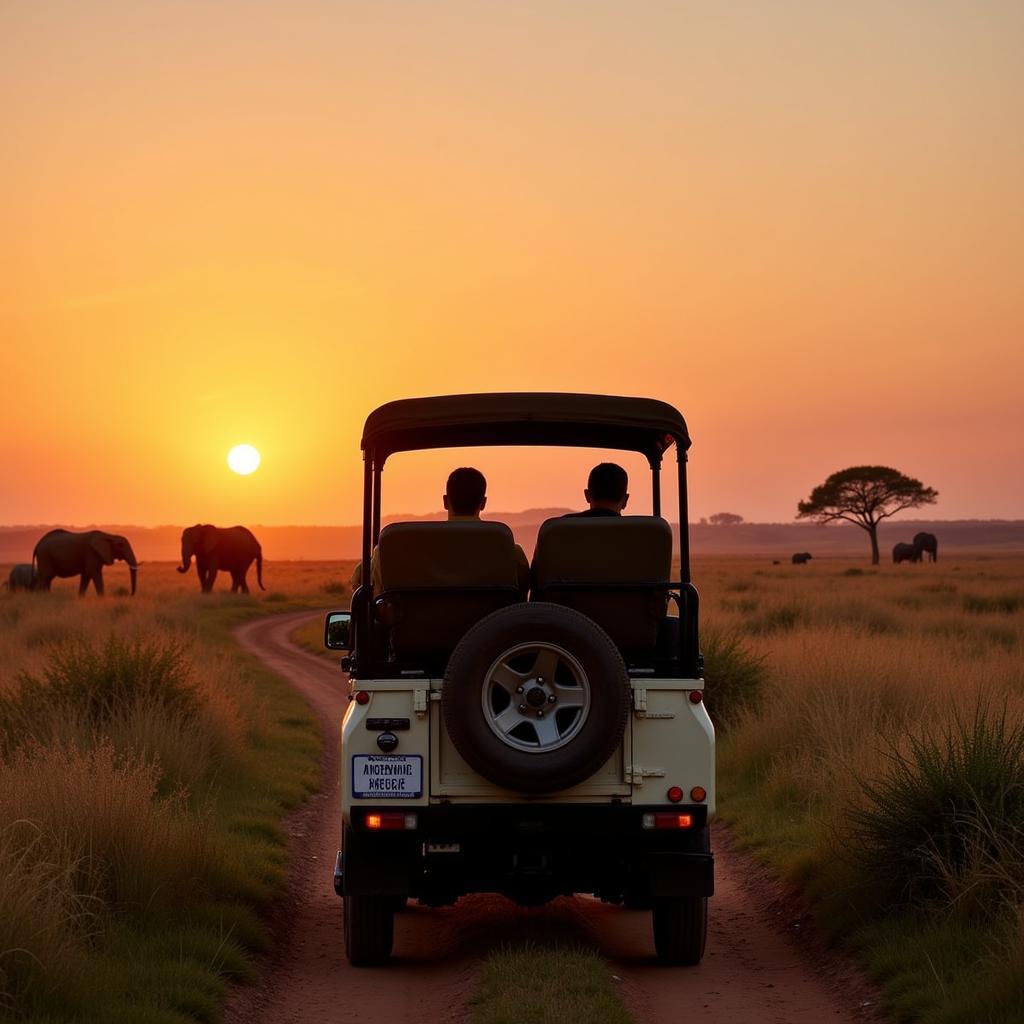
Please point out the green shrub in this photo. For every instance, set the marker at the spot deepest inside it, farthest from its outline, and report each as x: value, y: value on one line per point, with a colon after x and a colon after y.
x: 779, y: 619
x: 100, y: 680
x: 1005, y: 604
x: 732, y: 676
x: 947, y: 817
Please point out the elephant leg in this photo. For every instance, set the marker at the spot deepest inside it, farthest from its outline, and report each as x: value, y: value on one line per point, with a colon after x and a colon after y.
x: 211, y: 578
x: 243, y: 584
x: 97, y: 582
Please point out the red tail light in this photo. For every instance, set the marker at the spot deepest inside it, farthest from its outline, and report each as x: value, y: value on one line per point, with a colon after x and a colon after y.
x: 661, y: 821
x: 362, y: 697
x: 696, y: 696
x: 675, y: 794
x: 390, y: 821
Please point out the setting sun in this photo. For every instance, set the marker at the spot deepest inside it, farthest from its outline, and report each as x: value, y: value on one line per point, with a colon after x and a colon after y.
x: 244, y: 459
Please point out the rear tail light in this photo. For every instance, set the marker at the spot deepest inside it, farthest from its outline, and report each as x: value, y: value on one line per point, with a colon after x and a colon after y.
x: 698, y: 794
x: 661, y: 821
x: 675, y: 794
x: 696, y: 696
x: 390, y: 821
x: 362, y: 697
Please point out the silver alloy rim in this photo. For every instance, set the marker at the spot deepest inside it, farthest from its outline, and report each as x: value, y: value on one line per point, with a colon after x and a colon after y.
x: 535, y: 697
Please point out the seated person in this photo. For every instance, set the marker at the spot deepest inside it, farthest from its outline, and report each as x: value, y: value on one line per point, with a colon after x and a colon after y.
x: 615, y: 569
x: 464, y: 499
x: 607, y: 492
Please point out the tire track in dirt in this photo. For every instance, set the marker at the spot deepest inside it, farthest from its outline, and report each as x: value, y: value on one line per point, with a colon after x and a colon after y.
x: 752, y: 971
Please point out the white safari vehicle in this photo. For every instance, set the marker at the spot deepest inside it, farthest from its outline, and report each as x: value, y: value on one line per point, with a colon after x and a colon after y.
x: 534, y: 748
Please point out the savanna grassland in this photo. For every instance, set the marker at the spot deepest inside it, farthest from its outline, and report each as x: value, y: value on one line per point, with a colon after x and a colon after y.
x: 871, y: 724
x: 145, y: 766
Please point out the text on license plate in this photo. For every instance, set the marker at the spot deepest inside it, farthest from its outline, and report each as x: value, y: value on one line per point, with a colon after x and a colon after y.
x: 387, y: 777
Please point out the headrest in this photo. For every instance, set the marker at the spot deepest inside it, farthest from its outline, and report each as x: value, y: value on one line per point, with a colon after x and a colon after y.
x: 603, y: 549
x: 447, y: 554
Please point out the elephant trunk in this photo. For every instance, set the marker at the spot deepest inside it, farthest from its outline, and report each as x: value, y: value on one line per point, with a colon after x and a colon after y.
x: 133, y: 566
x: 186, y: 561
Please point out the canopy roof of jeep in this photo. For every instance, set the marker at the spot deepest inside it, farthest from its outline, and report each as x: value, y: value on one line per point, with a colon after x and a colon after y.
x: 525, y: 418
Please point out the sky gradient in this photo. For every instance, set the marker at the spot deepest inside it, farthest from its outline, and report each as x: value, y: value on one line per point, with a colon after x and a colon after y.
x: 801, y: 223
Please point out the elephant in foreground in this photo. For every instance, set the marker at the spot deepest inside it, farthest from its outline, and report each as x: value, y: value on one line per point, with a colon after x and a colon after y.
x: 61, y: 553
x: 802, y: 557
x: 905, y: 553
x: 232, y: 549
x: 22, y: 577
x: 927, y: 543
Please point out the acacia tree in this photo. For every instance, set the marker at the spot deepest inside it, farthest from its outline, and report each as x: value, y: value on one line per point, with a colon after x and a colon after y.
x: 864, y: 496
x: 725, y: 519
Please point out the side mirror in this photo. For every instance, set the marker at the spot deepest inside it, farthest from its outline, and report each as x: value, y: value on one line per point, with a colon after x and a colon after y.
x: 336, y: 631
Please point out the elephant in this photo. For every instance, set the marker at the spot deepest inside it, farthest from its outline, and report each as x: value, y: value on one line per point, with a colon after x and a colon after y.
x: 927, y: 543
x: 63, y: 553
x: 905, y: 553
x: 232, y: 549
x: 802, y: 557
x: 22, y: 577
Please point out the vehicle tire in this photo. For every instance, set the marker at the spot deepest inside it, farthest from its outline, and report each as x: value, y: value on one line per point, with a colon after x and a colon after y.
x: 536, y: 697
x: 369, y: 929
x: 680, y: 929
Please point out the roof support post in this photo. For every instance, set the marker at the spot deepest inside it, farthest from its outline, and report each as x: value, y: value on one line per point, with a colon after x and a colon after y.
x: 684, y: 521
x: 366, y: 582
x: 656, y: 487
x: 377, y: 470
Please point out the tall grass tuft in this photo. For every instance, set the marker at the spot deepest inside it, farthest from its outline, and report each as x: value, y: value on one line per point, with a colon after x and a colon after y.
x: 100, y: 680
x: 99, y: 815
x: 945, y: 822
x: 733, y: 676
x: 43, y: 920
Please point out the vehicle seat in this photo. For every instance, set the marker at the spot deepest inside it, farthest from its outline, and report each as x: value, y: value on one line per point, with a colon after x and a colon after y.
x: 441, y: 578
x: 625, y: 553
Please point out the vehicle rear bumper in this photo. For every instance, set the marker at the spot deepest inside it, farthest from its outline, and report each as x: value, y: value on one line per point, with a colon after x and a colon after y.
x: 529, y: 852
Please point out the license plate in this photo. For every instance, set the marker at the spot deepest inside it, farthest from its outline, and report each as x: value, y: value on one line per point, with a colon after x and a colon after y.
x: 387, y: 776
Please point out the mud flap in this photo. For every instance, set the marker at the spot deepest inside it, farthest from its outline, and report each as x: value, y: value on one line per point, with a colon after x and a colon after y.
x: 681, y: 874
x: 374, y: 865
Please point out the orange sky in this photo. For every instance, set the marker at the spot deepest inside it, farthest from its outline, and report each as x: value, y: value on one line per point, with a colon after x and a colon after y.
x: 801, y: 223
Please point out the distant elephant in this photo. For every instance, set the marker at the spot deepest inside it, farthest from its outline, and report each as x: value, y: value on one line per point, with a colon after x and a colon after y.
x: 802, y: 557
x: 905, y: 553
x: 62, y: 553
x: 22, y: 577
x: 927, y: 543
x: 232, y: 549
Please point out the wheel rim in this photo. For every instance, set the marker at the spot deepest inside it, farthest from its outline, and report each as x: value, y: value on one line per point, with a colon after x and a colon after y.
x: 535, y: 697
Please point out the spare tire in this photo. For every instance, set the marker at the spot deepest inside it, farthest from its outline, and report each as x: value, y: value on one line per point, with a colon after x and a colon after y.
x: 536, y: 697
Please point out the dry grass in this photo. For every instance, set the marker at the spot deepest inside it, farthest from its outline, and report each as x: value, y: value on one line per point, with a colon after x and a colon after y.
x: 144, y: 765
x: 890, y: 718
x: 826, y: 674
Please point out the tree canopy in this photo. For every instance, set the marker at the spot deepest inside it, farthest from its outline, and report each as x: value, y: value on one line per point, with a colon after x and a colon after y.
x: 864, y: 496
x: 725, y: 519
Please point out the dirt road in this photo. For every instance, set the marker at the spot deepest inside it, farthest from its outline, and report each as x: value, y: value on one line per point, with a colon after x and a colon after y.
x: 751, y: 974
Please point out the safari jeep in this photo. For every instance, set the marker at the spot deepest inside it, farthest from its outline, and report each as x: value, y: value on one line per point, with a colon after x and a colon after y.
x: 534, y: 748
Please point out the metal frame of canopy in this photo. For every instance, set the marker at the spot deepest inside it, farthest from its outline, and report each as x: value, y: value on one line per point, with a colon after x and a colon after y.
x: 543, y: 419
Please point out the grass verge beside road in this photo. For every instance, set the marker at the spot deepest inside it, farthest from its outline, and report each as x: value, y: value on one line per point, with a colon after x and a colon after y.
x: 881, y: 770
x: 532, y: 984
x: 147, y: 764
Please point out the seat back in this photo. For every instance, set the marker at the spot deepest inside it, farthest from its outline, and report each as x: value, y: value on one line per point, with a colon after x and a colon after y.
x: 441, y: 578
x: 629, y: 555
